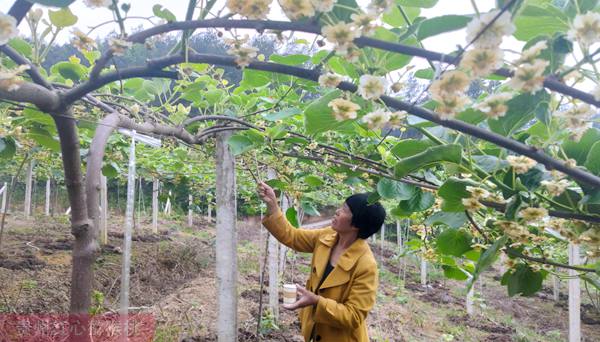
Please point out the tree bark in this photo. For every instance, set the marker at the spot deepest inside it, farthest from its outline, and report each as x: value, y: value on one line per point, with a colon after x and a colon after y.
x: 226, y: 241
x: 104, y: 212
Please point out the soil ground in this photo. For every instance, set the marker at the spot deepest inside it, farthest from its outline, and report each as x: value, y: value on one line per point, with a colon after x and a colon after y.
x: 173, y: 278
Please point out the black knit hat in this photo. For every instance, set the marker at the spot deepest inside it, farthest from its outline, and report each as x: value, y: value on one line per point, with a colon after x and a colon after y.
x: 367, y: 218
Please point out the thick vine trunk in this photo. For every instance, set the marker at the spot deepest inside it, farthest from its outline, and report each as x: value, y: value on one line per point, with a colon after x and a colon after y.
x: 226, y: 244
x: 104, y: 213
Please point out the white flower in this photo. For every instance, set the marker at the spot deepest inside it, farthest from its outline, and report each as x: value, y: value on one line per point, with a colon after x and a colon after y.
x: 340, y: 33
x: 492, y: 36
x: 8, y: 28
x: 380, y: 6
x: 35, y: 15
x: 235, y: 6
x: 529, y: 55
x: 494, y: 106
x: 477, y: 192
x: 243, y: 55
x: 577, y: 119
x: 255, y: 9
x: 330, y: 80
x: 376, y: 119
x: 135, y: 108
x: 529, y: 76
x: 98, y: 3
x: 364, y: 21
x: 450, y: 104
x: 482, y: 62
x: 10, y: 80
x: 323, y: 6
x: 296, y: 9
x: 371, y: 87
x: 521, y: 164
x: 397, y: 118
x: 533, y: 214
x: 471, y: 204
x: 118, y: 46
x: 451, y: 82
x: 343, y: 109
x: 348, y: 51
x: 81, y: 41
x: 586, y: 28
x: 554, y: 187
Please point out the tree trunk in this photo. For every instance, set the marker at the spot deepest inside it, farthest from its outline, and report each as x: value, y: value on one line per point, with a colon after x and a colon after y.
x: 226, y: 241
x: 273, y: 267
x: 28, y: 189
x: 104, y: 212
x: 574, y: 296
x: 48, y: 192
x: 155, y: 183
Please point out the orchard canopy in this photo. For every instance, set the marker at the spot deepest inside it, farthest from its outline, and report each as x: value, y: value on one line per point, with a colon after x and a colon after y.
x: 491, y: 148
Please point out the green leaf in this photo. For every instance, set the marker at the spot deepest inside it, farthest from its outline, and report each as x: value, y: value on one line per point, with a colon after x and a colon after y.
x: 452, y: 272
x: 21, y: 46
x: 44, y: 138
x: 420, y: 201
x: 292, y: 216
x: 8, y: 148
x: 62, y: 18
x: 255, y: 78
x: 592, y: 162
x: 342, y: 67
x: 452, y: 192
x: 393, y: 16
x: 110, y: 170
x: 68, y: 70
x: 454, y: 242
x: 343, y: 12
x: 277, y: 184
x: 52, y: 3
x: 523, y: 281
x: 239, y: 144
x: 486, y: 260
x: 391, y: 189
x: 433, y: 155
x: 580, y: 150
x: 521, y: 110
x: 409, y: 147
x: 446, y: 23
x: 452, y: 220
x: 309, y: 208
x: 314, y: 181
x: 490, y: 164
x: 529, y: 27
x: 296, y: 59
x: 163, y: 13
x: 35, y: 116
x: 417, y: 3
x: 282, y: 114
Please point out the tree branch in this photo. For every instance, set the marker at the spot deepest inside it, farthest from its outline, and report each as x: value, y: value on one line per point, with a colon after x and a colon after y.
x: 19, y: 9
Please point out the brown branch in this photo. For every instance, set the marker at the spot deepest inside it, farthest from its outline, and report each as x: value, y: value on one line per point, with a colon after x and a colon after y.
x: 515, y: 253
x: 476, y: 226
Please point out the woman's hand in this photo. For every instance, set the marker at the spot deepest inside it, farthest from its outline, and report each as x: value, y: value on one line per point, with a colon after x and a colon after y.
x: 306, y: 298
x: 268, y: 196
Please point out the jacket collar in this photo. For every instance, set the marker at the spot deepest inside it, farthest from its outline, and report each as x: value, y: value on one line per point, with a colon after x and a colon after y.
x: 351, y: 254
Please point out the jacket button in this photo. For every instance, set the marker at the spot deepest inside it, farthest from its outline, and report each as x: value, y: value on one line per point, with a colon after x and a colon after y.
x: 318, y: 337
x: 314, y: 269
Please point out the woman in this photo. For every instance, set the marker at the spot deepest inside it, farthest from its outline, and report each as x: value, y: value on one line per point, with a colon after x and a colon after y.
x: 342, y: 286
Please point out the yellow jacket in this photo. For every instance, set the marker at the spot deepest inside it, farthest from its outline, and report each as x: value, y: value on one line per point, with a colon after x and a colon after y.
x: 348, y: 293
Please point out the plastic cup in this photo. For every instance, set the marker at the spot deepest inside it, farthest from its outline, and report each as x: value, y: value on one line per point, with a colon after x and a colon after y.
x: 289, y: 293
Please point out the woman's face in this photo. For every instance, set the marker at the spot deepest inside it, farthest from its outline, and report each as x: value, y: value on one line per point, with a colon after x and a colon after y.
x: 342, y: 220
